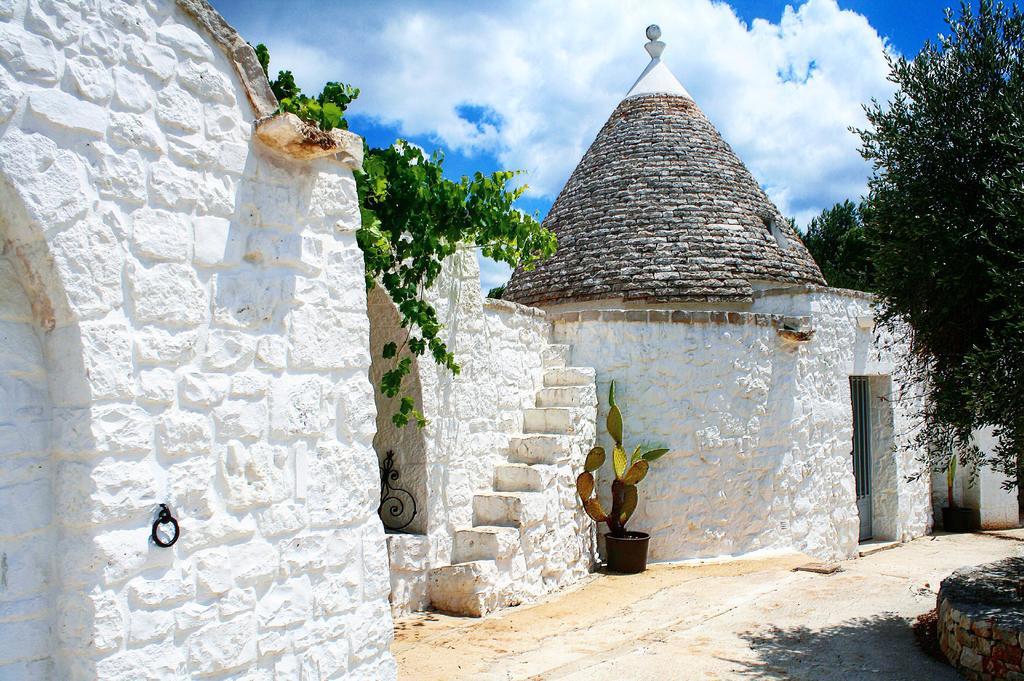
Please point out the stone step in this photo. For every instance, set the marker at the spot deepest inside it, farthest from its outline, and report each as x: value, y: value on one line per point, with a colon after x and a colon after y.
x: 539, y: 448
x: 566, y: 376
x: 569, y: 396
x: 555, y: 356
x: 486, y: 542
x: 558, y: 420
x: 522, y: 477
x: 507, y: 509
x: 466, y: 589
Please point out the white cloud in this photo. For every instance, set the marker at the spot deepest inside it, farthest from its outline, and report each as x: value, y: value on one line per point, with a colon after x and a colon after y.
x: 782, y: 93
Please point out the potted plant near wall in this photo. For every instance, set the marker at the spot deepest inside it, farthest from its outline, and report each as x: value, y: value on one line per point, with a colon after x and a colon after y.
x: 957, y: 518
x: 627, y: 551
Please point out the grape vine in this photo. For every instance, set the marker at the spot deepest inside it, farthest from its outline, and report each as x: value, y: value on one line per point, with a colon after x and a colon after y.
x: 413, y: 217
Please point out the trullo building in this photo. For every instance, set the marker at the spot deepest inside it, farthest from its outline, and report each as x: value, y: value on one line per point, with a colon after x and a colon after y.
x: 679, y: 279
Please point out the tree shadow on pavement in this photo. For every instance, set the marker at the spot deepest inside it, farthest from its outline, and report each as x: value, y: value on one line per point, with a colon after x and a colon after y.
x: 877, y: 647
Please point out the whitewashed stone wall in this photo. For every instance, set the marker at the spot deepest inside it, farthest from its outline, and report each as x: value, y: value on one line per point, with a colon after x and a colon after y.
x: 500, y: 347
x: 202, y: 318
x: 760, y: 428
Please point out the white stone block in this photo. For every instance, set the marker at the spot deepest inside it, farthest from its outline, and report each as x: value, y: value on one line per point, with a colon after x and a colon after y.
x: 212, y: 236
x: 160, y: 235
x: 202, y: 389
x: 91, y: 78
x: 223, y: 647
x: 122, y: 429
x: 132, y: 91
x: 286, y: 604
x: 255, y: 475
x: 213, y: 571
x: 134, y: 130
x: 10, y: 95
x: 149, y: 625
x: 158, y: 60
x: 119, y: 175
x: 240, y: 419
x: 183, y: 433
x: 169, y: 588
x: 157, y: 386
x: 325, y: 338
x: 158, y: 346
x: 89, y: 260
x: 190, y: 484
x: 69, y: 113
x: 249, y: 384
x: 248, y: 299
x: 206, y: 82
x: 272, y: 352
x: 183, y: 39
x: 167, y: 293
x: 173, y: 186
x: 297, y: 407
x: 229, y: 350
x: 179, y: 110
x: 28, y: 56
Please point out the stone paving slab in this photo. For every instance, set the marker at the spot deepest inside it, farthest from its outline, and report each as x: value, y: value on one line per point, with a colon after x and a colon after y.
x: 746, y: 619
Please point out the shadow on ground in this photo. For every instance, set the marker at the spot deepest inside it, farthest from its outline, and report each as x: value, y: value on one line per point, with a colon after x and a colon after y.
x: 878, y: 647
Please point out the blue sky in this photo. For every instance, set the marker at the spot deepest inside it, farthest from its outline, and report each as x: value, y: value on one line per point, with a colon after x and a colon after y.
x: 527, y: 84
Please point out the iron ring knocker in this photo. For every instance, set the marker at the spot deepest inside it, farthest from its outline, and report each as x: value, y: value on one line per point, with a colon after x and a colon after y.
x: 164, y: 518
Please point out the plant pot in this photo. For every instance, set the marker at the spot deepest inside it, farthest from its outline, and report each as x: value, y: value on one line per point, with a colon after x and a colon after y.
x: 627, y: 555
x: 961, y: 519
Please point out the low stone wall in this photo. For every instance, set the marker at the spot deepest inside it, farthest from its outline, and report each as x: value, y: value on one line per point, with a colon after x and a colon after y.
x: 981, y: 620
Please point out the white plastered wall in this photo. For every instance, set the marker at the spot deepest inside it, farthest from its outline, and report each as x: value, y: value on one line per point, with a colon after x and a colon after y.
x: 760, y: 428
x: 203, y: 321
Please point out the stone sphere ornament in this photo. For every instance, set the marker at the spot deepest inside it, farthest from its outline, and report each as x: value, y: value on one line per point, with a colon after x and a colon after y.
x: 653, y: 32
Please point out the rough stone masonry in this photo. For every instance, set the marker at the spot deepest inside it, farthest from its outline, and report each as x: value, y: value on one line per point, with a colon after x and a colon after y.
x: 182, y: 321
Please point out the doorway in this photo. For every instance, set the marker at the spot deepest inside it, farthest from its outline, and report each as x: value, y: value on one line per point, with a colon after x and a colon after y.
x: 860, y: 395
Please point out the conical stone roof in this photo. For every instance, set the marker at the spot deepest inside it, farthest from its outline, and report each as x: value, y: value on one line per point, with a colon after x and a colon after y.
x: 661, y: 210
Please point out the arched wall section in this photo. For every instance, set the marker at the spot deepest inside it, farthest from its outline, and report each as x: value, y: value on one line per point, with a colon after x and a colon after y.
x: 759, y: 426
x: 29, y: 583
x: 203, y: 319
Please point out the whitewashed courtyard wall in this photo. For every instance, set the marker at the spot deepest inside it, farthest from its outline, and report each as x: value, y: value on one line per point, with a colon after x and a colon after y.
x: 500, y: 348
x: 759, y: 428
x: 201, y: 322
x: 981, y: 489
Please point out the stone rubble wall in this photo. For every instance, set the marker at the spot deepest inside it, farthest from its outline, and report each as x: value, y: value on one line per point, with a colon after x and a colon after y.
x: 201, y: 310
x: 980, y: 627
x: 500, y: 349
x: 760, y: 427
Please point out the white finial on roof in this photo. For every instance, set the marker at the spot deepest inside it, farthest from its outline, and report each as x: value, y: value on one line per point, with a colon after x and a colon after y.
x: 656, y: 78
x: 655, y: 47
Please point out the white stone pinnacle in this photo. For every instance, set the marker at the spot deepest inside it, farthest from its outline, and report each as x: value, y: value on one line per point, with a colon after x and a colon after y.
x: 656, y: 79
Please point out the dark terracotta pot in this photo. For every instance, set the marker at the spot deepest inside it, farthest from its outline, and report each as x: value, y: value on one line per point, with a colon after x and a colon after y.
x: 961, y: 519
x: 627, y: 555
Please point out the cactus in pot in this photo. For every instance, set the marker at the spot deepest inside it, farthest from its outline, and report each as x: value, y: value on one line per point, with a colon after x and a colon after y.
x: 629, y: 470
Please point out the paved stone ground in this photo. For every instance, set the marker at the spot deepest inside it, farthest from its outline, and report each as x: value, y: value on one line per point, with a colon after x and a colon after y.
x: 749, y: 619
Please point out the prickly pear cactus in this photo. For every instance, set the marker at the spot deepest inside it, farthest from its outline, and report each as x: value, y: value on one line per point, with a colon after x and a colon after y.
x: 629, y: 471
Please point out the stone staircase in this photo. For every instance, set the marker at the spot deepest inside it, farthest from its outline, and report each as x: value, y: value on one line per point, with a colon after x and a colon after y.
x: 529, y: 536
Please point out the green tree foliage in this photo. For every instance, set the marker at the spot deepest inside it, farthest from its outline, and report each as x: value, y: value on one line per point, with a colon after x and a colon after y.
x: 945, y: 213
x: 412, y: 219
x: 837, y: 241
x: 497, y: 292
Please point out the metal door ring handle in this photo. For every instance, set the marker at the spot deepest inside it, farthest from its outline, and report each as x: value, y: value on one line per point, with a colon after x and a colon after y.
x: 164, y: 518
